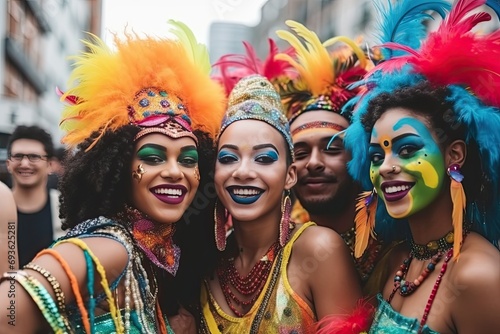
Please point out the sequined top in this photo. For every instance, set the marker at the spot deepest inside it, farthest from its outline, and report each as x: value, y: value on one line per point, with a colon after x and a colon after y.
x: 142, y: 319
x: 278, y: 309
x: 388, y: 321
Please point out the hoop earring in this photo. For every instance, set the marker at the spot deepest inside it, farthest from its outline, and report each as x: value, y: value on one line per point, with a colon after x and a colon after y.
x: 366, y: 209
x: 458, y: 200
x: 286, y: 212
x: 220, y: 219
x: 137, y: 174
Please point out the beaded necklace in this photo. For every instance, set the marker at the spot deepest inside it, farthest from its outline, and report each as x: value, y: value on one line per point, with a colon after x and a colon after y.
x: 436, y: 249
x: 349, y: 238
x: 249, y: 286
x: 427, y: 251
x: 365, y: 264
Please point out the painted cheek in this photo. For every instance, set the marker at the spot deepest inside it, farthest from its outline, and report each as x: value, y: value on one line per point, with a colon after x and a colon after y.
x: 374, y: 175
x: 427, y: 168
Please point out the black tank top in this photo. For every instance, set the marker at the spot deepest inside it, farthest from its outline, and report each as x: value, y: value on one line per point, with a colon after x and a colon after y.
x: 34, y: 233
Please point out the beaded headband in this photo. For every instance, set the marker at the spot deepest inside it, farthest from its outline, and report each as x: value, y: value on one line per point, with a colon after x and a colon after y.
x: 254, y: 97
x: 155, y: 110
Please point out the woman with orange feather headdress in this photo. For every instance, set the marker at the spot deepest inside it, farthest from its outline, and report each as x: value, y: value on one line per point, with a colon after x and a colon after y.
x: 141, y: 122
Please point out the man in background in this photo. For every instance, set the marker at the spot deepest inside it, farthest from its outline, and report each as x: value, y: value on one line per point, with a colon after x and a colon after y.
x: 29, y: 152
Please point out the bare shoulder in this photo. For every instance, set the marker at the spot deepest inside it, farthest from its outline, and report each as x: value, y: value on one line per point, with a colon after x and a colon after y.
x: 111, y: 254
x: 318, y: 236
x: 106, y: 253
x: 478, y: 265
x: 474, y: 280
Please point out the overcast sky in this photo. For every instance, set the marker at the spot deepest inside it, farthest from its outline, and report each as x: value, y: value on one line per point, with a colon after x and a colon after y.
x: 150, y: 16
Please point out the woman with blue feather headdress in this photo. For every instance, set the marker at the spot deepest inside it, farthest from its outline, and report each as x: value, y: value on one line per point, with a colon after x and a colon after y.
x: 425, y: 140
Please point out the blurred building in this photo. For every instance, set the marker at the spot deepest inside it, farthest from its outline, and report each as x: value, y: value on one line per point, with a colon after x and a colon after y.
x: 36, y: 38
x: 227, y: 38
x: 327, y: 18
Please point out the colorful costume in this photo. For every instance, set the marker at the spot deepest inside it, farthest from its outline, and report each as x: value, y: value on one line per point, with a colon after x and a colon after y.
x: 465, y: 63
x: 146, y: 86
x: 278, y: 309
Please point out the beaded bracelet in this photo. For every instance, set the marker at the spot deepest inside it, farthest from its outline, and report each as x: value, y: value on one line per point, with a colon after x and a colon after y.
x: 56, y: 287
x: 43, y: 300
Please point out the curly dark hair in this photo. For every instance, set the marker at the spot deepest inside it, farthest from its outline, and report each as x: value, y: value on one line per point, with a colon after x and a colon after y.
x: 35, y: 133
x: 432, y: 103
x: 98, y: 183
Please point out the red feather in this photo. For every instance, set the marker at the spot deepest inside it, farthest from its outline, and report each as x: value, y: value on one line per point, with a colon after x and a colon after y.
x: 358, y: 321
x: 233, y: 67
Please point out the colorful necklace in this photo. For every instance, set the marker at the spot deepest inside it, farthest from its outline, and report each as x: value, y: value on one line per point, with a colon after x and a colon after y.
x: 249, y: 286
x: 433, y: 250
x: 349, y: 238
x: 407, y: 287
x: 155, y: 240
x: 365, y: 264
x: 427, y: 251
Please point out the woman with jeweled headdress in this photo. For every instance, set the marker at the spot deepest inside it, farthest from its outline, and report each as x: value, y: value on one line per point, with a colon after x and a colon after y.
x: 273, y: 275
x: 425, y: 139
x: 140, y: 123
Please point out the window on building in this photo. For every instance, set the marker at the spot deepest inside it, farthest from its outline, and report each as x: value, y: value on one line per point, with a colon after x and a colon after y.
x: 24, y: 31
x: 13, y: 84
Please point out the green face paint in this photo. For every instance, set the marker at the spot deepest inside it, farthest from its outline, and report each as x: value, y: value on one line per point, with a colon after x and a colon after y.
x: 188, y: 156
x: 419, y: 159
x: 152, y: 154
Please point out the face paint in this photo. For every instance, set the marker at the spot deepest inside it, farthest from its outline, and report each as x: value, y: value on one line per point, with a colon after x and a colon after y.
x: 152, y: 154
x: 407, y: 143
x: 188, y: 156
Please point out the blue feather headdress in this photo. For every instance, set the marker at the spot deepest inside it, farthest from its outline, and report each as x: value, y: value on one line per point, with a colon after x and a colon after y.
x: 475, y: 105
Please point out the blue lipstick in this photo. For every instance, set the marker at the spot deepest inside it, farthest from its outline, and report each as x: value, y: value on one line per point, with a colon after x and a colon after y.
x: 244, y: 199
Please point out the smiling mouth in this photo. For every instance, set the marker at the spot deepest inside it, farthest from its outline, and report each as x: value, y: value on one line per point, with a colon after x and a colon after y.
x: 394, y: 191
x: 170, y: 195
x: 244, y: 195
x: 168, y: 191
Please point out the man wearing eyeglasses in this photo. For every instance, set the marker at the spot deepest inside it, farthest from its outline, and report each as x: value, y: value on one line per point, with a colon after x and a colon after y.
x: 29, y: 151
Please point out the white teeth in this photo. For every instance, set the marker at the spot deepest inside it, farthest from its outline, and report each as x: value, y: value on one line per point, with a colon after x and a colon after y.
x: 246, y: 192
x: 168, y: 191
x: 393, y: 189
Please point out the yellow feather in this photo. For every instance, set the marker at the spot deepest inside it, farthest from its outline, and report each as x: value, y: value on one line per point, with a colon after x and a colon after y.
x: 314, y: 62
x: 458, y: 199
x: 355, y: 48
x: 197, y: 51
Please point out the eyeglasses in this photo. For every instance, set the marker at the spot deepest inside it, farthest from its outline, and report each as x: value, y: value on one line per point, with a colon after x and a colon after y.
x: 31, y: 157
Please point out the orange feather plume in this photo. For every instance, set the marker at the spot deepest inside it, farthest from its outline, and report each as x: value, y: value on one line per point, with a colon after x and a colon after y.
x: 364, y: 220
x: 105, y: 83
